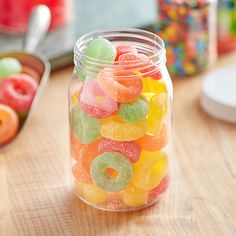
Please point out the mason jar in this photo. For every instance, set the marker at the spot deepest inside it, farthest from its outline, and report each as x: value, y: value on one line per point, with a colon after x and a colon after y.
x: 226, y: 26
x: 189, y: 31
x: 120, y: 113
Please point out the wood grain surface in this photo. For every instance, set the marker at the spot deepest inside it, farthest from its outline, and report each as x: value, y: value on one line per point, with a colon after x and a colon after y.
x: 36, y: 194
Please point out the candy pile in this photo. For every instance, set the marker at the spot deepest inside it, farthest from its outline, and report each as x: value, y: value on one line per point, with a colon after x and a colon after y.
x: 119, y: 122
x: 186, y: 27
x: 226, y: 26
x: 18, y: 85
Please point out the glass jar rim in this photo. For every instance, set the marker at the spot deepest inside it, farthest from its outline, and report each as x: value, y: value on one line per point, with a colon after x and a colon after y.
x: 152, y: 42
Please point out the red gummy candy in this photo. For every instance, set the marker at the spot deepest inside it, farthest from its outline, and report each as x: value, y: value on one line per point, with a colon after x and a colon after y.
x: 123, y: 49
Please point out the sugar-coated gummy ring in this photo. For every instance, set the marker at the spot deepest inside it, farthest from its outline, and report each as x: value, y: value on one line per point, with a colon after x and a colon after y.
x: 122, y: 86
x: 9, y: 66
x: 128, y: 148
x: 17, y: 91
x: 157, y: 142
x: 85, y: 128
x: 123, y: 49
x: 111, y: 160
x: 135, y: 111
x: 116, y: 129
x: 95, y: 102
x: 9, y: 124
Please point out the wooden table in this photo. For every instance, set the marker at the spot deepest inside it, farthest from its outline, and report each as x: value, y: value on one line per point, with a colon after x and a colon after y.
x: 36, y: 194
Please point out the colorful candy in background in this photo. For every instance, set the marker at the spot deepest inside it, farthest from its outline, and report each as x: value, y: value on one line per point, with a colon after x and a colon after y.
x: 188, y: 29
x: 120, y: 129
x: 18, y: 85
x: 226, y: 26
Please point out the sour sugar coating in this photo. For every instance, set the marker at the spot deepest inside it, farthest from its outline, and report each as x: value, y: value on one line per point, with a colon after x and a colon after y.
x: 128, y: 148
x: 157, y: 142
x: 90, y: 193
x: 121, y: 85
x: 85, y: 128
x: 115, y: 129
x: 141, y: 64
x: 17, y: 91
x: 95, y: 102
x: 134, y: 111
x: 9, y: 66
x: 31, y: 72
x: 150, y: 169
x: 123, y: 49
x: 158, y: 107
x: 101, y: 49
x: 114, y: 161
x: 9, y: 124
x: 134, y: 196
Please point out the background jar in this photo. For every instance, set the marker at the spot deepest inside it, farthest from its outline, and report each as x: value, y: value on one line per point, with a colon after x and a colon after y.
x: 120, y: 123
x: 226, y: 26
x: 189, y: 31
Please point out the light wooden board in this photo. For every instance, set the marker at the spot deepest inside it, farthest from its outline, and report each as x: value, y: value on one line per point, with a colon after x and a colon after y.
x: 36, y: 194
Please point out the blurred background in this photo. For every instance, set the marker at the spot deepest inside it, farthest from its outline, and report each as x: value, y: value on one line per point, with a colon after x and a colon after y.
x: 193, y: 30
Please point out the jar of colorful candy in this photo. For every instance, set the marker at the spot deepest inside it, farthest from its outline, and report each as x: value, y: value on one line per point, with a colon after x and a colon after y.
x: 189, y: 31
x: 120, y: 100
x: 226, y: 26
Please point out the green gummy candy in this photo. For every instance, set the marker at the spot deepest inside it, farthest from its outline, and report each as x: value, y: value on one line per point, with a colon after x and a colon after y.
x: 134, y: 111
x: 84, y: 127
x: 101, y: 49
x: 9, y: 66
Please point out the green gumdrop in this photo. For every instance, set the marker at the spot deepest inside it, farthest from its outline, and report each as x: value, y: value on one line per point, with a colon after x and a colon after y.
x: 134, y: 111
x: 84, y: 127
x: 101, y: 49
x: 9, y: 66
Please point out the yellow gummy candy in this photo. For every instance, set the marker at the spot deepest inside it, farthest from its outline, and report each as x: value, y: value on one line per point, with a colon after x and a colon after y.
x: 158, y: 108
x: 135, y: 197
x: 150, y: 169
x: 90, y: 192
x: 153, y: 86
x: 116, y: 129
x: 75, y: 98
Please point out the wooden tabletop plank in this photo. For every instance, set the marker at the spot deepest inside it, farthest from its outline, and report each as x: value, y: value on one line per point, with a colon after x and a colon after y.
x: 36, y: 191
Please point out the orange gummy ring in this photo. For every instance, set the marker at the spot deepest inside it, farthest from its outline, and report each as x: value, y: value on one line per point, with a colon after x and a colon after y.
x: 121, y: 85
x: 154, y: 143
x: 83, y: 154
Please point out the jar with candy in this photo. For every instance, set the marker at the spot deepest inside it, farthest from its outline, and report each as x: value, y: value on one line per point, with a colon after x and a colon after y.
x: 120, y: 98
x: 226, y: 26
x: 189, y: 31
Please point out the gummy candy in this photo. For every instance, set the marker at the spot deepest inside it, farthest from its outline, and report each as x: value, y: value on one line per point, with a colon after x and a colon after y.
x: 121, y: 85
x: 135, y: 111
x: 128, y: 148
x: 157, y: 142
x: 83, y: 154
x: 95, y: 102
x: 134, y: 196
x: 101, y: 49
x: 116, y: 129
x: 90, y: 193
x: 9, y: 66
x: 150, y: 169
x: 123, y: 49
x: 84, y: 127
x: 117, y: 162
x: 157, y: 112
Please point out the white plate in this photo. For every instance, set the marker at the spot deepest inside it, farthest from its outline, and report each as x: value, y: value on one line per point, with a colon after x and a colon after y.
x: 219, y: 93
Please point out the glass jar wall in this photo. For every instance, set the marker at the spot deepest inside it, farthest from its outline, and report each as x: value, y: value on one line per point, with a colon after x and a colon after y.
x: 120, y: 110
x: 189, y: 31
x: 226, y: 26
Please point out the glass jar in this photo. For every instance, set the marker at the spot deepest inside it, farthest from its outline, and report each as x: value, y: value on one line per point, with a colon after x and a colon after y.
x: 226, y: 26
x: 189, y: 31
x: 120, y: 110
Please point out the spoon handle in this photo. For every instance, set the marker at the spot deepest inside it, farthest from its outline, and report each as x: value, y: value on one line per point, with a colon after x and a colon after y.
x: 37, y: 27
